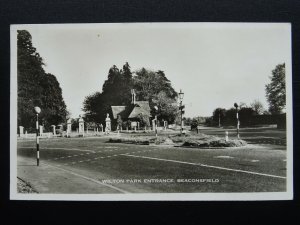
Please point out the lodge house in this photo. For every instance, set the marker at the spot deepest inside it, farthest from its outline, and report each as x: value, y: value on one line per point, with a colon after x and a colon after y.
x: 130, y: 112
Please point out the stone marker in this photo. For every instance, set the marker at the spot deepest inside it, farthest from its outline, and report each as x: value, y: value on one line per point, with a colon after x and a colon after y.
x: 153, y: 124
x: 81, y: 126
x: 108, y: 124
x: 21, y: 128
x: 69, y: 127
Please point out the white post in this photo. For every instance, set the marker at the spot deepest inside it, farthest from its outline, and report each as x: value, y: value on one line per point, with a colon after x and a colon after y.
x: 81, y: 126
x: 69, y: 127
x: 41, y: 130
x: 153, y: 124
x: 226, y: 136
x: 21, y: 131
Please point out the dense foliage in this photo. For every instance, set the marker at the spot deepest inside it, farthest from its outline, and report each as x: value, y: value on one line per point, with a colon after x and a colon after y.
x: 36, y: 87
x: 275, y: 90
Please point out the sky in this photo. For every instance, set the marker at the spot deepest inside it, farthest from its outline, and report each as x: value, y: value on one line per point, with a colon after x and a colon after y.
x: 215, y: 64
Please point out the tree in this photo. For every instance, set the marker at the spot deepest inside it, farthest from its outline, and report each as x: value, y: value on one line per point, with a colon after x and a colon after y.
x: 245, y: 116
x: 36, y: 87
x: 93, y: 106
x: 127, y: 84
x: 187, y: 121
x: 275, y: 90
x: 219, y: 116
x: 115, y: 91
x: 257, y: 107
x: 157, y: 89
x: 148, y: 84
x: 167, y: 107
x: 144, y: 120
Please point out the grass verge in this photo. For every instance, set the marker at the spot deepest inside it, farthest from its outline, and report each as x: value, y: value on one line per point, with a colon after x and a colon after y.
x: 200, y: 140
x: 24, y: 187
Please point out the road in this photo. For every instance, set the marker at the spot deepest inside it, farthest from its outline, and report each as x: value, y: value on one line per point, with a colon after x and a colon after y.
x: 125, y: 168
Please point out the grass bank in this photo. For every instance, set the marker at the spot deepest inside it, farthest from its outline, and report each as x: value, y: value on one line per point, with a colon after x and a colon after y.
x: 199, y: 140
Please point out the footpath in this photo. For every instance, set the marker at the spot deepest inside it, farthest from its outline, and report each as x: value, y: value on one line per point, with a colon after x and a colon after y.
x: 47, y: 179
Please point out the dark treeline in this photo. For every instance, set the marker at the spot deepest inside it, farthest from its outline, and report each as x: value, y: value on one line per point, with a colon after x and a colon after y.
x: 36, y: 87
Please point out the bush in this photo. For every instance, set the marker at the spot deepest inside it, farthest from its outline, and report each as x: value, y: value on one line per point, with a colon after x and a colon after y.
x: 214, y: 143
x: 138, y: 141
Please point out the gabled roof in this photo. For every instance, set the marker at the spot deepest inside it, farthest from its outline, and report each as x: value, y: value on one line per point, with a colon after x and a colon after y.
x: 138, y: 110
x: 144, y: 105
x: 132, y: 111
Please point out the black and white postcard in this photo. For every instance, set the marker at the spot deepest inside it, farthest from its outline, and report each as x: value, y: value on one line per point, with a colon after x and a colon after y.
x: 151, y: 111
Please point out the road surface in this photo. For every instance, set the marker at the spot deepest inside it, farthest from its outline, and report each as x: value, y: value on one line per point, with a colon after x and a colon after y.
x: 126, y: 168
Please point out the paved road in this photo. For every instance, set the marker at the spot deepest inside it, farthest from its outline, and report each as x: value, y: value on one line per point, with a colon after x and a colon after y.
x: 124, y: 168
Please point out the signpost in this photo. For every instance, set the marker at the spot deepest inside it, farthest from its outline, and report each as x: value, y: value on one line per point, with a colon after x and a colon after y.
x: 37, y: 111
x: 237, y: 120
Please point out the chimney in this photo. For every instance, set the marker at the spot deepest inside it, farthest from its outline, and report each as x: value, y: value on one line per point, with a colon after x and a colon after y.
x: 132, y: 96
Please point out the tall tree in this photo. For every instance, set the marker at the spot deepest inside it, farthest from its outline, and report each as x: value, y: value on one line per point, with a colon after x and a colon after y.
x: 219, y: 116
x: 275, y: 90
x: 167, y: 107
x: 149, y: 83
x: 127, y: 84
x: 35, y: 87
x: 115, y: 91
